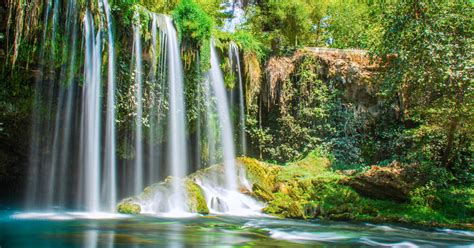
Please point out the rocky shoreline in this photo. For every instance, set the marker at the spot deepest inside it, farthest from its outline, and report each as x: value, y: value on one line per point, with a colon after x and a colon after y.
x: 310, y: 189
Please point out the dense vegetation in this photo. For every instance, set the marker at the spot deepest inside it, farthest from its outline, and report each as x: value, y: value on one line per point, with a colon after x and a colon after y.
x: 423, y: 84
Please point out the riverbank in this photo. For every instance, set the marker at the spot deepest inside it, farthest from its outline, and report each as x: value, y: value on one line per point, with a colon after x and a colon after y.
x: 312, y: 189
x: 396, y: 193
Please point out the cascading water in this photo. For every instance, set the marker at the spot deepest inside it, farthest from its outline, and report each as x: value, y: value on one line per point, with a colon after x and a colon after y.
x: 52, y: 152
x: 138, y: 172
x: 153, y: 152
x: 80, y: 130
x: 217, y: 85
x: 41, y: 129
x: 91, y: 115
x: 222, y: 193
x: 177, y: 115
x: 234, y: 59
x: 210, y: 124
x: 110, y: 173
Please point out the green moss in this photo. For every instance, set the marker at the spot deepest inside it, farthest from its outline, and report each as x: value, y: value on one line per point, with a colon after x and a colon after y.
x: 309, y: 189
x: 264, y: 174
x: 128, y: 206
x: 262, y: 193
x: 196, y: 199
x: 309, y: 167
x: 285, y: 206
x: 194, y: 27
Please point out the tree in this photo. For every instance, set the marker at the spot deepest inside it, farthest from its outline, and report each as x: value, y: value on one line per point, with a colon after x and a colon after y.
x: 427, y: 47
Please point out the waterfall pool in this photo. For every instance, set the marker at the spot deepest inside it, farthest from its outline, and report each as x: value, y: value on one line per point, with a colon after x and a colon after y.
x: 82, y: 230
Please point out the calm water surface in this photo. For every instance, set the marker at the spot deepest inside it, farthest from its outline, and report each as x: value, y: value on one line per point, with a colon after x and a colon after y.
x: 78, y: 230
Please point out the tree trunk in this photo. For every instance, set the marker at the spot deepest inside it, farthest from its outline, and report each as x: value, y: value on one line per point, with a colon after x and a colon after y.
x: 449, y: 146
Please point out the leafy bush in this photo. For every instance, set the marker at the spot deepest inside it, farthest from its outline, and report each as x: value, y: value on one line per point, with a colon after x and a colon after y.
x: 195, y: 29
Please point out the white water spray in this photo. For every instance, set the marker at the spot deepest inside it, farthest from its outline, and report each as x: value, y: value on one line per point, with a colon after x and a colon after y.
x: 91, y: 115
x: 235, y: 58
x: 217, y: 84
x: 110, y: 138
x: 177, y: 150
x: 138, y: 179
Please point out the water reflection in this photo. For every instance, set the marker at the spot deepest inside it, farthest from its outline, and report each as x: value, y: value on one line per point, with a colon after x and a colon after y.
x: 90, y: 239
x: 222, y: 231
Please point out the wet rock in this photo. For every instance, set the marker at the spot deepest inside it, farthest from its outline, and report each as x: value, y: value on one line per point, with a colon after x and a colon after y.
x: 196, y: 199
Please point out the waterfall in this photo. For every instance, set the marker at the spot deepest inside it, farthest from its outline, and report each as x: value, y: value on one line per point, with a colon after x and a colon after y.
x: 110, y: 187
x: 234, y: 59
x: 91, y: 142
x: 152, y: 151
x: 74, y: 147
x: 177, y: 150
x: 218, y: 87
x: 138, y: 179
x: 210, y: 123
x: 41, y: 129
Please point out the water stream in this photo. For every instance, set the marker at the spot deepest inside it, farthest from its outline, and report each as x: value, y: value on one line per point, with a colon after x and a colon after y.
x: 138, y: 171
x: 66, y: 230
x: 225, y: 124
x: 177, y: 149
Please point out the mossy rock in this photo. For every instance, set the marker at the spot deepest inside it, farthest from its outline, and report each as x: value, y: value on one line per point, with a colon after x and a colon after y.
x: 196, y: 199
x: 285, y: 206
x: 262, y: 193
x: 259, y: 172
x: 128, y: 206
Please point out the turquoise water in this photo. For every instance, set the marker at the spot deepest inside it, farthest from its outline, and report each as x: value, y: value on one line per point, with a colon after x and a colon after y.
x: 76, y: 230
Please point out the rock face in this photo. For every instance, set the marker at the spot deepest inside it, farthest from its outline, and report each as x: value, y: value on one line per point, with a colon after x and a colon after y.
x: 393, y: 182
x: 352, y: 72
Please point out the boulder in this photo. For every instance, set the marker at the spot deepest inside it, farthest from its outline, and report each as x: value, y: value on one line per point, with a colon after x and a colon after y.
x: 262, y: 193
x: 196, y: 199
x: 129, y: 206
x: 393, y: 182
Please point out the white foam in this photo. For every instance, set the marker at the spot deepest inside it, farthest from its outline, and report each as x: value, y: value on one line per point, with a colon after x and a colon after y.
x: 382, y: 244
x: 67, y: 215
x: 172, y: 214
x: 322, y: 236
x: 457, y: 232
x: 222, y: 201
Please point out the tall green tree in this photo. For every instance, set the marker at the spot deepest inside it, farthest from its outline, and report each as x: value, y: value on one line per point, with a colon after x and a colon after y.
x: 427, y: 47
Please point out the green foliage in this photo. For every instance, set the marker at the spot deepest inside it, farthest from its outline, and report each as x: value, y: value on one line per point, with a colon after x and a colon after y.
x: 283, y: 23
x: 428, y: 47
x: 302, y: 119
x: 248, y: 42
x: 351, y: 24
x: 333, y: 23
x: 194, y: 26
x: 308, y: 189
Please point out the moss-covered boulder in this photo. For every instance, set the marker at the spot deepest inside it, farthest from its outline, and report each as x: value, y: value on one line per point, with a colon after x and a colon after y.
x: 393, y: 182
x: 285, y: 206
x: 262, y: 193
x: 129, y: 206
x: 259, y: 172
x: 196, y: 199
